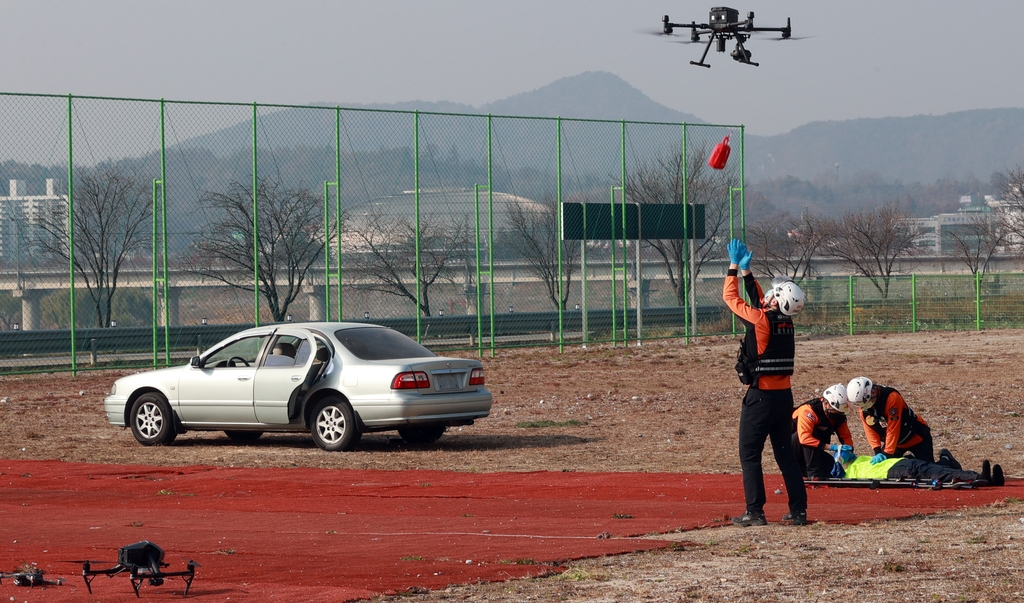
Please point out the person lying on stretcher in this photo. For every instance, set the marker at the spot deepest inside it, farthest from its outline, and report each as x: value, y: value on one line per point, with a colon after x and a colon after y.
x: 947, y: 470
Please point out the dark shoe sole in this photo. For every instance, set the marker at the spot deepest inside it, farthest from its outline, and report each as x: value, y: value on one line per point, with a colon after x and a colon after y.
x: 745, y: 521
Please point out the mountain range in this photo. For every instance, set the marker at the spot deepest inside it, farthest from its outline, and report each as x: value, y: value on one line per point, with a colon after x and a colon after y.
x: 923, y: 148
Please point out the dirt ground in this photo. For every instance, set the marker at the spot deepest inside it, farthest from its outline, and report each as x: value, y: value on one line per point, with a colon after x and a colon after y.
x: 665, y: 406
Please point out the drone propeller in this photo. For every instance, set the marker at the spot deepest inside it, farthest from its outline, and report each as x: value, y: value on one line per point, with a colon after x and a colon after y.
x: 790, y: 38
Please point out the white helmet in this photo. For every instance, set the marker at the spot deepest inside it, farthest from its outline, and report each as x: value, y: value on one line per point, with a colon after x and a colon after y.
x: 791, y: 297
x: 858, y: 392
x: 835, y: 396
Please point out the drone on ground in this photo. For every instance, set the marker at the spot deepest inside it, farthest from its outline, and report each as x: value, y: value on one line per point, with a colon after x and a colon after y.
x: 30, y: 577
x: 724, y: 24
x: 142, y: 561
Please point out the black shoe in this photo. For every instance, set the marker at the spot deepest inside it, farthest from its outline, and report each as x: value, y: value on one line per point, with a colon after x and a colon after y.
x: 796, y: 519
x: 750, y: 519
x: 998, y: 479
x: 986, y: 471
x: 946, y: 458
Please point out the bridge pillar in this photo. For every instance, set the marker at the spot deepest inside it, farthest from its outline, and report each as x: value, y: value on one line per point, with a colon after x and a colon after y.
x: 169, y: 304
x: 317, y: 307
x: 31, y: 317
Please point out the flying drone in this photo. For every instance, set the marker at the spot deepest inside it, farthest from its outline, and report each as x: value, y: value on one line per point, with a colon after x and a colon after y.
x: 723, y: 25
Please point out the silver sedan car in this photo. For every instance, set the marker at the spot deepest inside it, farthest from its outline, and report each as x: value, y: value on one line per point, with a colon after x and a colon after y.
x: 334, y: 380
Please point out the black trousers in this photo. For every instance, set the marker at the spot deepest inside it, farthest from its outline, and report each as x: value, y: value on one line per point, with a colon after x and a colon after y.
x: 918, y: 469
x: 813, y: 462
x: 924, y: 450
x: 767, y: 414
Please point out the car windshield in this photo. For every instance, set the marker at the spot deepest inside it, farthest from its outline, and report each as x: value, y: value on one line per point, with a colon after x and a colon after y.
x: 370, y: 343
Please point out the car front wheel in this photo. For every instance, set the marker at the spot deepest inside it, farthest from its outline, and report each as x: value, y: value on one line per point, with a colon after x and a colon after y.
x: 422, y: 434
x: 153, y: 421
x: 333, y: 427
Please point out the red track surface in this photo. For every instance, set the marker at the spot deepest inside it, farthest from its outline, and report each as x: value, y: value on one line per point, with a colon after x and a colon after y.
x: 336, y: 535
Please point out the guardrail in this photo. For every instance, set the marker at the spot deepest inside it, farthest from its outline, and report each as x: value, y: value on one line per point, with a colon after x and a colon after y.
x: 27, y: 350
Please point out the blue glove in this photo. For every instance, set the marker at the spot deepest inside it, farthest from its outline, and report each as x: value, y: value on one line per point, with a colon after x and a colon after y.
x: 878, y: 458
x: 736, y: 250
x: 838, y: 447
x: 744, y: 262
x: 833, y: 447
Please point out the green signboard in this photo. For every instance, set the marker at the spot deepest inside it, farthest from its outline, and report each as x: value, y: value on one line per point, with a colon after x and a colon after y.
x: 647, y: 221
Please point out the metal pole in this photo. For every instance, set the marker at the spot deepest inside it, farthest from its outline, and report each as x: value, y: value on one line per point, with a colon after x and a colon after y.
x: 255, y: 224
x: 163, y: 236
x: 490, y: 229
x: 327, y: 250
x: 977, y: 301
x: 71, y: 240
x: 850, y: 301
x: 913, y: 300
x: 743, y: 184
x: 479, y: 285
x: 625, y: 243
x: 684, y: 269
x: 416, y: 177
x: 156, y: 291
x: 560, y: 218
x: 639, y: 279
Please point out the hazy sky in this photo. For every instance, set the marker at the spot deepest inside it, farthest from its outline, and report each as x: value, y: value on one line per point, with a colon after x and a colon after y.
x: 867, y: 58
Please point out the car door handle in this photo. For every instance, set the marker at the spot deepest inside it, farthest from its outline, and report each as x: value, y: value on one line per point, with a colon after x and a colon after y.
x: 296, y: 377
x: 244, y: 378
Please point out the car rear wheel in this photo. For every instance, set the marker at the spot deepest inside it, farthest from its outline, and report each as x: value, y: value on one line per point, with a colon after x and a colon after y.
x: 334, y: 427
x: 422, y: 434
x: 243, y: 436
x: 153, y: 421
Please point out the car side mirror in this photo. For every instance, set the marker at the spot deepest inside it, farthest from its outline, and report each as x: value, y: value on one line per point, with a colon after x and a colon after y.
x: 196, y: 362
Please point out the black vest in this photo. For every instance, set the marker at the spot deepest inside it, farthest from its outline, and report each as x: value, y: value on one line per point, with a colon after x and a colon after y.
x: 827, y: 423
x: 778, y: 356
x: 908, y: 422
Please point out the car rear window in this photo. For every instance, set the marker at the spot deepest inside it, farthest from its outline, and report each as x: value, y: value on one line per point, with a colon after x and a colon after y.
x: 380, y: 344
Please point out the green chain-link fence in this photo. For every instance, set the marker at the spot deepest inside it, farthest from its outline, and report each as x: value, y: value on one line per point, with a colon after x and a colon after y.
x: 136, y: 232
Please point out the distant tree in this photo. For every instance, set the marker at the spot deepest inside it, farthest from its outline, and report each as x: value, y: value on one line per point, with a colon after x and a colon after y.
x: 291, y: 239
x: 661, y: 182
x: 385, y: 253
x: 977, y: 241
x: 112, y: 210
x: 535, y: 231
x: 870, y: 242
x: 1011, y: 188
x: 785, y: 244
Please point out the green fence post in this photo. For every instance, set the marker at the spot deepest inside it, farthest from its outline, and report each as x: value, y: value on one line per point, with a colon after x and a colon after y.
x: 977, y: 301
x: 743, y: 186
x: 71, y: 241
x: 559, y: 217
x: 913, y: 300
x: 850, y: 300
x: 684, y: 270
x: 163, y: 237
x: 416, y: 179
x: 255, y: 224
x: 625, y: 244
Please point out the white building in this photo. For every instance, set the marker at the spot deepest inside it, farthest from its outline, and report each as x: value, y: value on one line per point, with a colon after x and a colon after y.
x: 20, y: 213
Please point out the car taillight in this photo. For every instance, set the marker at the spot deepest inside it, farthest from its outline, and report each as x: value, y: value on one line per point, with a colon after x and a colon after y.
x: 410, y: 380
x: 476, y: 377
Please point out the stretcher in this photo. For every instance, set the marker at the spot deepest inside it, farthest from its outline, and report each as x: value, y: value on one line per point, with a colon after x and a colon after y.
x: 875, y: 484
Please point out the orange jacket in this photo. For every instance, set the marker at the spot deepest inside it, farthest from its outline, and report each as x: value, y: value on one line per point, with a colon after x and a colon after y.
x: 759, y: 322
x: 888, y: 416
x: 808, y: 418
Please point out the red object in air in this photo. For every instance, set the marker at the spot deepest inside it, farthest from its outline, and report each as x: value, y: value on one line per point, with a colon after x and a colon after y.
x: 720, y: 155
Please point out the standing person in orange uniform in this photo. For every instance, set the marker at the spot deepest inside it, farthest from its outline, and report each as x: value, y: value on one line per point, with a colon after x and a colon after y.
x: 891, y: 427
x: 814, y: 423
x: 766, y: 364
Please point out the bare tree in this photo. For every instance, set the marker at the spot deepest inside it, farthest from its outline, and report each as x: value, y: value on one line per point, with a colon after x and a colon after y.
x: 111, y: 224
x: 535, y: 229
x: 785, y: 244
x: 870, y: 242
x: 976, y: 241
x: 661, y: 182
x: 291, y: 239
x: 385, y: 253
x: 1011, y: 190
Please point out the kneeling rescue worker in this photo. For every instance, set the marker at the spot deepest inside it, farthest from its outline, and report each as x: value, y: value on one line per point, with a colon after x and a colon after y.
x: 765, y: 364
x: 814, y: 423
x: 891, y: 427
